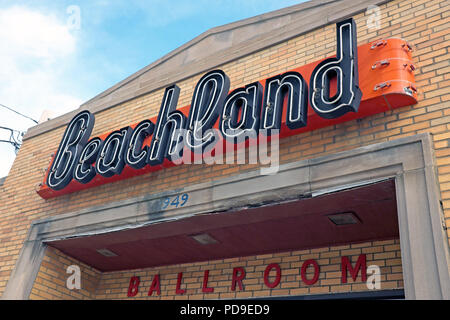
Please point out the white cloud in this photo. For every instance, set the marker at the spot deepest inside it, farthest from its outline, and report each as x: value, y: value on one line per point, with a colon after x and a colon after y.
x: 35, y: 49
x: 33, y: 34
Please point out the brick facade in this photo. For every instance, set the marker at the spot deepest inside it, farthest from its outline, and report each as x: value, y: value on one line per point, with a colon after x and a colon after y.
x: 425, y: 24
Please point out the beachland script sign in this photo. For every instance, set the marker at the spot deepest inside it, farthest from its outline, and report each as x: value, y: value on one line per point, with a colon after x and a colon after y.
x: 324, y: 93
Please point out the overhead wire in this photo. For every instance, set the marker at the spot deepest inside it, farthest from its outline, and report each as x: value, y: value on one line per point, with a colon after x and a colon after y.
x: 21, y: 114
x: 15, y: 137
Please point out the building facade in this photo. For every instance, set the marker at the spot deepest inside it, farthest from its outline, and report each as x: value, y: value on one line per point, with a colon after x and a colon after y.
x: 358, y: 206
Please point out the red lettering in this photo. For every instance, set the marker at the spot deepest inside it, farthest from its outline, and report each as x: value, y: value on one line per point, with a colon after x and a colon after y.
x: 238, y: 276
x: 360, y: 265
x: 178, y: 290
x: 205, y: 288
x: 271, y: 266
x: 133, y: 288
x: 156, y: 286
x: 305, y: 266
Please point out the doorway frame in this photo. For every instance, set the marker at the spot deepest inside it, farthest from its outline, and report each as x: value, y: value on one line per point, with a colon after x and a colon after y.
x: 410, y: 161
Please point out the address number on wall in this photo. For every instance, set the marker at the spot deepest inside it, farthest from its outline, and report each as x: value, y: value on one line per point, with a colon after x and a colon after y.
x: 175, y: 202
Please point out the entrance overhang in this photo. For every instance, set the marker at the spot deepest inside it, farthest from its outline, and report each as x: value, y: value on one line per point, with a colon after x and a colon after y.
x: 313, y: 222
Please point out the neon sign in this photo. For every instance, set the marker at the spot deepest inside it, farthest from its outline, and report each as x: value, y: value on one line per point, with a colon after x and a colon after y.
x: 287, y: 104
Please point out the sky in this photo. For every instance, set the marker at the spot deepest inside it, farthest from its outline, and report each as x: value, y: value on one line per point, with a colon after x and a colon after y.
x: 55, y: 55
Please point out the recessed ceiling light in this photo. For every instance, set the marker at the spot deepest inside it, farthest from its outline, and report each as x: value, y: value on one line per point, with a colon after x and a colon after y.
x: 106, y: 253
x: 344, y: 218
x: 203, y: 238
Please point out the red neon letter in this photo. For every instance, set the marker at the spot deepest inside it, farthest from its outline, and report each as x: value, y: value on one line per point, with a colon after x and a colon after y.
x: 205, y: 288
x: 316, y: 272
x: 238, y: 278
x: 133, y: 289
x: 271, y: 266
x: 178, y: 290
x: 360, y: 264
x: 156, y: 286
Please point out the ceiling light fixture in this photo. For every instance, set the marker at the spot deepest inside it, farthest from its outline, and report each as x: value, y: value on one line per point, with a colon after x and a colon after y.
x: 344, y: 218
x: 106, y: 253
x: 203, y: 238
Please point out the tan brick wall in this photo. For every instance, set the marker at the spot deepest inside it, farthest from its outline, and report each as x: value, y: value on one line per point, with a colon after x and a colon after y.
x: 425, y: 24
x: 114, y: 285
x: 50, y: 283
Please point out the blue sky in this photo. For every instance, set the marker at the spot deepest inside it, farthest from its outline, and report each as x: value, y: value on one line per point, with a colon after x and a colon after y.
x: 55, y: 55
